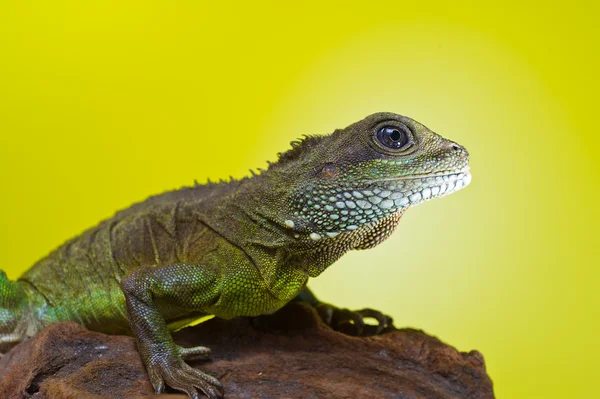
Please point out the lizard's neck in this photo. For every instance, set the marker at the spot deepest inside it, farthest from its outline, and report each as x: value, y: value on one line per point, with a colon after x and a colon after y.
x: 316, y: 256
x: 256, y: 219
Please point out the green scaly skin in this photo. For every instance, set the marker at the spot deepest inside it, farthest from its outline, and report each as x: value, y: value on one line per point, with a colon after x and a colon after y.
x: 239, y: 248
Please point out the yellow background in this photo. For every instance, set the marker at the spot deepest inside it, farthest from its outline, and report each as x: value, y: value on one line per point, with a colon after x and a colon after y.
x: 104, y: 103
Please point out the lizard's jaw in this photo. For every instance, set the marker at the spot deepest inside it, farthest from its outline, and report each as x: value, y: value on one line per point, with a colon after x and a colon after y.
x: 421, y: 189
x: 413, y: 190
x: 330, y: 212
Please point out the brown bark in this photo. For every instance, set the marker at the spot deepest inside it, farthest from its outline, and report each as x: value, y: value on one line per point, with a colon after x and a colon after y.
x: 290, y: 354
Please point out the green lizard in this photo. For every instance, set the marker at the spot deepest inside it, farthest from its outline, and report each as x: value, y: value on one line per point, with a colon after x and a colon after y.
x: 238, y: 248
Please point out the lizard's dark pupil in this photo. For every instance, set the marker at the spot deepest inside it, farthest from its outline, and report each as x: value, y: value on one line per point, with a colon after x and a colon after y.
x: 395, y: 135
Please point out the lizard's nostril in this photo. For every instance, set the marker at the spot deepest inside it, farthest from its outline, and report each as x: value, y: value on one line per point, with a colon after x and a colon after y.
x: 455, y: 146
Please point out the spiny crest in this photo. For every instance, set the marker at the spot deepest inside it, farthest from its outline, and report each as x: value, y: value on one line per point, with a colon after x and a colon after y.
x: 256, y: 172
x: 210, y: 183
x: 299, y: 148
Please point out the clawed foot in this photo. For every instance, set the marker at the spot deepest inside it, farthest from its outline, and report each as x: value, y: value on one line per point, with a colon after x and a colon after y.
x: 175, y: 373
x: 352, y: 322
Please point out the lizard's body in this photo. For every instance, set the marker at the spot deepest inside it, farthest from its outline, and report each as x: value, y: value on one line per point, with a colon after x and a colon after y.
x: 241, y: 248
x: 172, y: 228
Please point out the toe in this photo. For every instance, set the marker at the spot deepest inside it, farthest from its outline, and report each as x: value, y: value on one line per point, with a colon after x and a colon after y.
x: 156, y: 380
x: 384, y: 322
x: 193, y: 353
x: 190, y: 380
x: 200, y: 376
x: 348, y: 322
x: 325, y: 312
x: 177, y: 380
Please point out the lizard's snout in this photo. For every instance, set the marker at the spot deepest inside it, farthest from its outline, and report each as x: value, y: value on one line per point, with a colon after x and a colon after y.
x: 455, y: 147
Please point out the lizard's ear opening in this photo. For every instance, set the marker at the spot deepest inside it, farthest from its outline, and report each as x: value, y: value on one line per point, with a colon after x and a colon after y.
x: 329, y: 171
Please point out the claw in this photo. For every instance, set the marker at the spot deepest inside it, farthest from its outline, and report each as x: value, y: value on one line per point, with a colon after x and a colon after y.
x: 160, y: 388
x: 157, y: 381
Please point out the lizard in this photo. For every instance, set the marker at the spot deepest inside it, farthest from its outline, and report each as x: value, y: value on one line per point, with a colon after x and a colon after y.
x: 236, y: 248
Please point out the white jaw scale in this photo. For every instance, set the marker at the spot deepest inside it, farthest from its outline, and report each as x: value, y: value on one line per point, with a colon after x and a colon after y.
x: 335, y: 211
x: 428, y: 188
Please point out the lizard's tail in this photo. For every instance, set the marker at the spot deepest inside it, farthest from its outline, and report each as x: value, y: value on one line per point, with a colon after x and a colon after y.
x: 13, y: 305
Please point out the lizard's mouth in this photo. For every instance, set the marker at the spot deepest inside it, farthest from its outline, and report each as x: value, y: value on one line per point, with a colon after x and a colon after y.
x: 409, y: 191
x: 334, y: 211
x: 442, y: 173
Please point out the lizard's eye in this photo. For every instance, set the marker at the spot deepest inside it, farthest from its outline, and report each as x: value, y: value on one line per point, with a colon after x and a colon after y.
x: 395, y: 137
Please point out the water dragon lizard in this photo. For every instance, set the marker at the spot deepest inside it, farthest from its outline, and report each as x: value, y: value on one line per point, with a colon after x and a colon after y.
x: 237, y: 248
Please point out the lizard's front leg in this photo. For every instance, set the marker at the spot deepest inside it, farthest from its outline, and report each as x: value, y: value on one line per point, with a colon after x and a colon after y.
x: 347, y: 321
x: 172, y: 289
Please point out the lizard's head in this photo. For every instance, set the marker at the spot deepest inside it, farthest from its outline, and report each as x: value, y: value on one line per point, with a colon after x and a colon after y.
x: 368, y: 172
